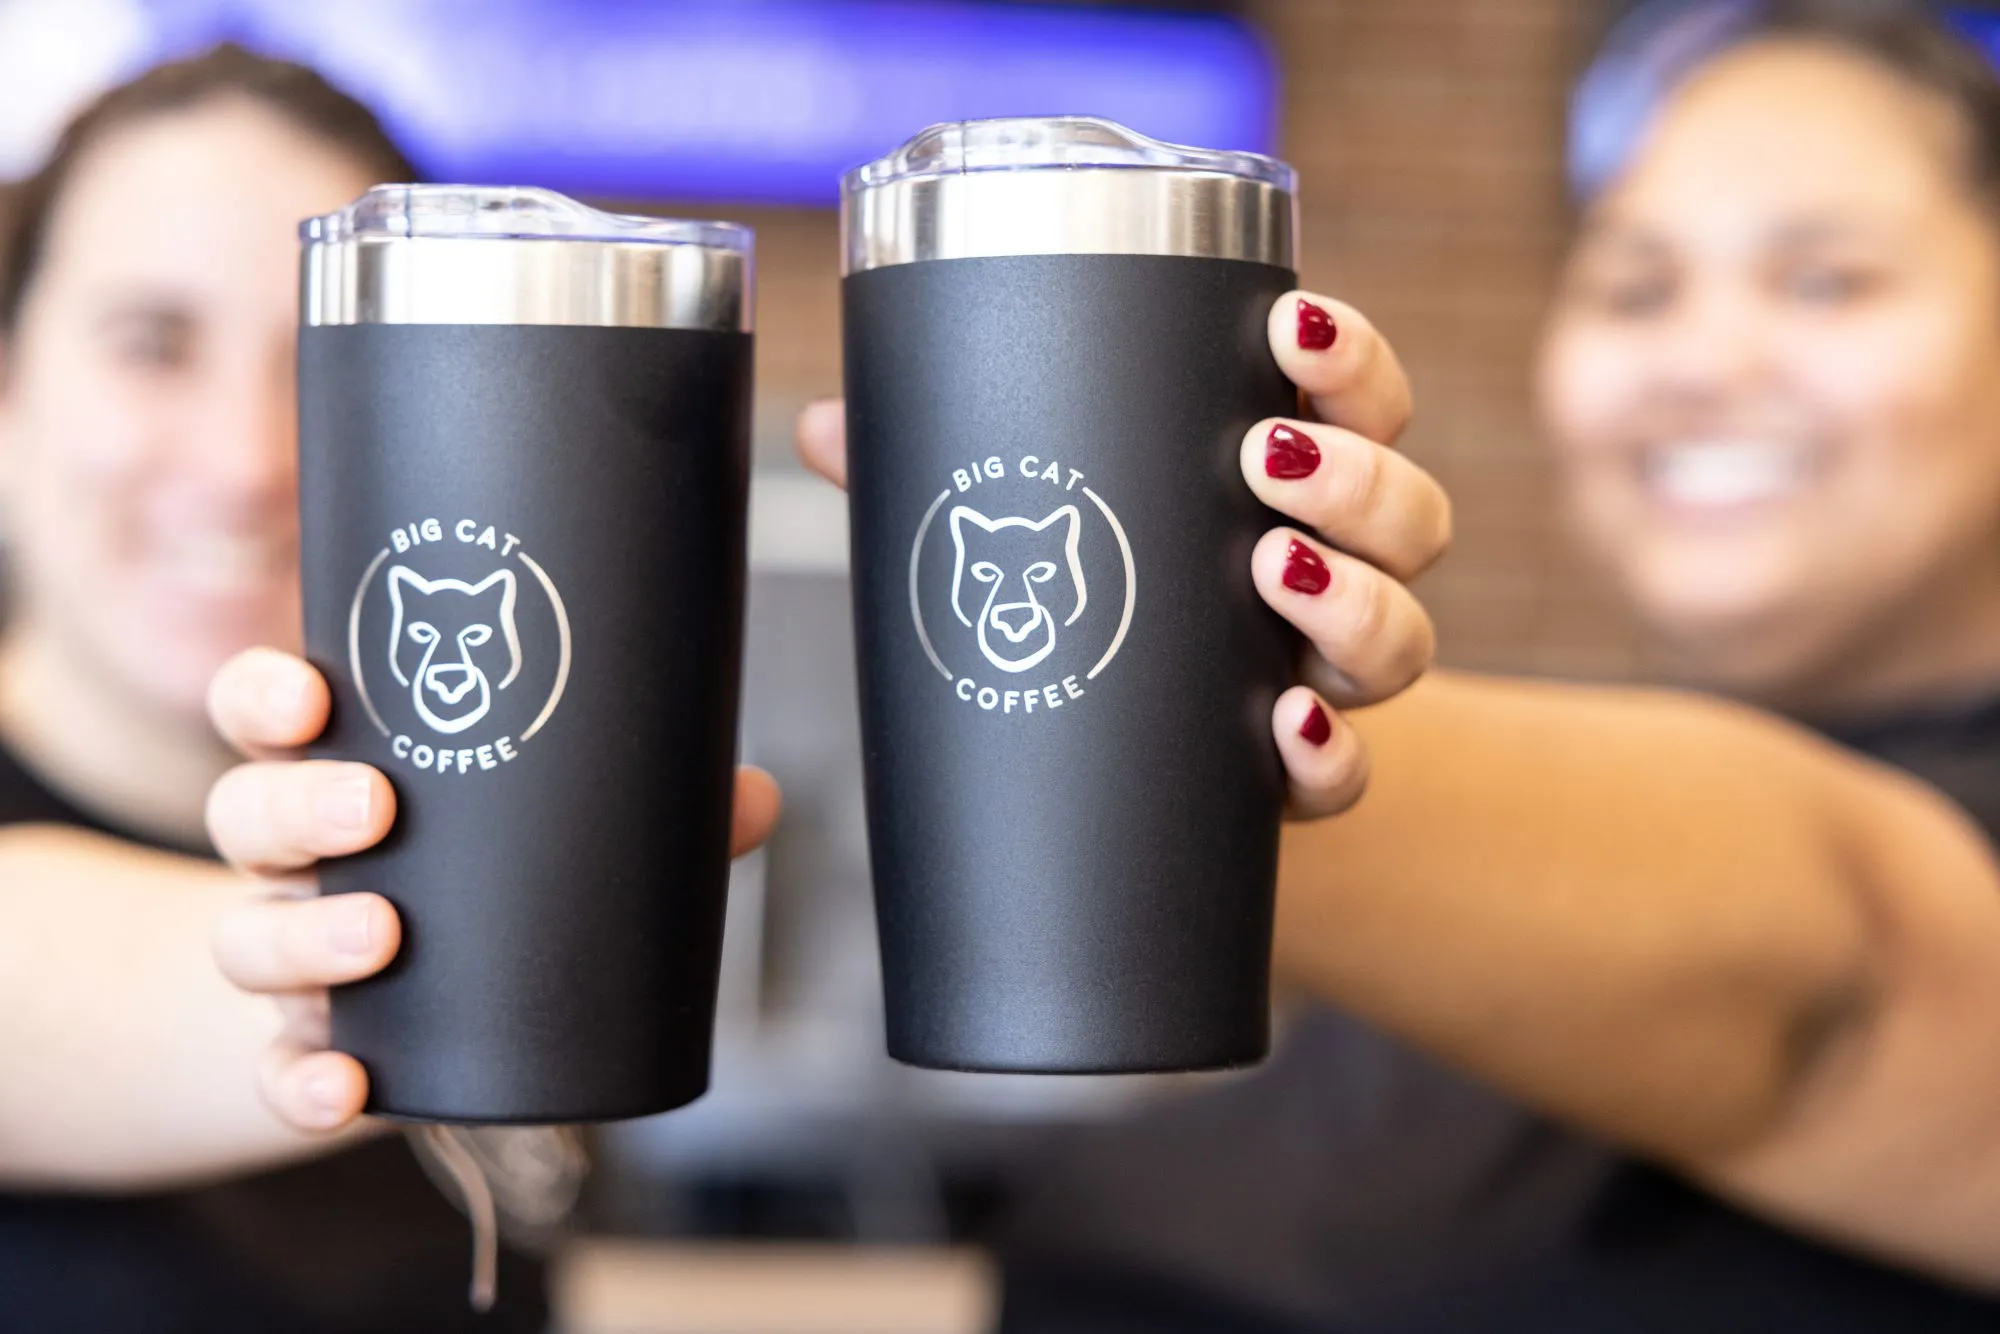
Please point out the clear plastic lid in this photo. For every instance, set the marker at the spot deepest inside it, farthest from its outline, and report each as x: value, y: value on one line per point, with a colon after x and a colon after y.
x: 507, y: 213
x: 1032, y: 143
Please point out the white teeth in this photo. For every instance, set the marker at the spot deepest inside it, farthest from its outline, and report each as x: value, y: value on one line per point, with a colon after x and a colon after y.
x: 1719, y: 473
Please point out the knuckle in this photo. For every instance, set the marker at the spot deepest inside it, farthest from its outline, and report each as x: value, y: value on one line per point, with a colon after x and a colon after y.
x: 1411, y: 648
x: 274, y: 1079
x: 216, y: 816
x: 302, y: 940
x: 268, y: 814
x: 1342, y: 776
x: 1367, y: 611
x: 235, y: 698
x: 270, y: 1080
x: 257, y: 949
x: 1358, y: 486
x: 1446, y: 526
x: 226, y: 687
x: 218, y: 703
x: 1353, y: 766
x: 237, y: 814
x: 1418, y: 651
x: 1426, y: 642
x: 1423, y: 528
x: 289, y: 814
x: 1403, y: 407
x: 229, y: 939
x: 307, y: 1018
x: 1398, y: 405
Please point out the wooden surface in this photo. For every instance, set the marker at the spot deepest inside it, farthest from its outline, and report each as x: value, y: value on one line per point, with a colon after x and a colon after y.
x: 639, y: 1287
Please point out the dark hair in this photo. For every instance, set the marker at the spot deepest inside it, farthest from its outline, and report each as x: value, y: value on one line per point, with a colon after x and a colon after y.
x: 296, y: 93
x: 1660, y: 44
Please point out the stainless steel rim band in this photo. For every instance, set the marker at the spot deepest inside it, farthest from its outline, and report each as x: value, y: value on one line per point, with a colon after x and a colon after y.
x: 1068, y: 211
x: 497, y: 280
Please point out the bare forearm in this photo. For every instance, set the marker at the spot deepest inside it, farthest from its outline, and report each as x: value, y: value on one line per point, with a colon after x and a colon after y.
x: 1893, y: 1143
x: 1626, y: 906
x: 129, y: 1062
x: 1692, y: 929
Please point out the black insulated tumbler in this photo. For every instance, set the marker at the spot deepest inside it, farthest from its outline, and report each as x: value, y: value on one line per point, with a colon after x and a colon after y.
x: 524, y: 459
x: 1055, y: 343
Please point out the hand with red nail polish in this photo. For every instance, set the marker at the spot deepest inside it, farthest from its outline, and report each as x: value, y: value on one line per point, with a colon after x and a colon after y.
x: 1364, y: 521
x: 1367, y: 520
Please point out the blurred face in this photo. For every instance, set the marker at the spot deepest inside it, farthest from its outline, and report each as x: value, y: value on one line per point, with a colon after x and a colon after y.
x: 1773, y: 371
x: 146, y: 419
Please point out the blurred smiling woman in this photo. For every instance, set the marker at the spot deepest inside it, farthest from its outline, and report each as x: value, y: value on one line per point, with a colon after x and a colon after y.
x: 147, y: 313
x: 1727, y: 988
x: 1773, y: 372
x: 148, y: 505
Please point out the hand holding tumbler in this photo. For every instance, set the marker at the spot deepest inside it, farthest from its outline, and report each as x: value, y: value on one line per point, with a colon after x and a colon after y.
x: 524, y: 462
x: 1055, y: 343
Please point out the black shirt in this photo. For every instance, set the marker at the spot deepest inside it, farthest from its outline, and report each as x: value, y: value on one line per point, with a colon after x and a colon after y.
x: 1353, y: 1185
x: 355, y: 1243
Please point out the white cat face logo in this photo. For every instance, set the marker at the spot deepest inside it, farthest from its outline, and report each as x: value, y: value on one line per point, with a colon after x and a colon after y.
x: 449, y: 684
x: 1018, y: 560
x: 1046, y: 591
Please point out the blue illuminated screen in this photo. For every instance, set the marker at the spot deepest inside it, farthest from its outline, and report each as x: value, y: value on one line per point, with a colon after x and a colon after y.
x: 739, y: 100
x: 1979, y: 26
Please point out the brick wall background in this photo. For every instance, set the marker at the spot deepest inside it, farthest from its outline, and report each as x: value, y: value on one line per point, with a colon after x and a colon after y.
x: 1429, y: 136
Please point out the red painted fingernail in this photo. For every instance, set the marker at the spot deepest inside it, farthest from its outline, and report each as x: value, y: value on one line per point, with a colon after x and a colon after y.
x: 1317, y: 727
x: 1305, y: 572
x: 1290, y: 454
x: 1316, y: 331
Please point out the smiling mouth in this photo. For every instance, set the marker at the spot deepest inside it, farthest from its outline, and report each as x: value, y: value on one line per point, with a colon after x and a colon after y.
x: 1726, y: 474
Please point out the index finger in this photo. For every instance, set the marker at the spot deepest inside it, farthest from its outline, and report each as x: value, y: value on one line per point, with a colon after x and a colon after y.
x: 286, y: 945
x: 264, y: 701
x: 1346, y: 368
x: 821, y: 436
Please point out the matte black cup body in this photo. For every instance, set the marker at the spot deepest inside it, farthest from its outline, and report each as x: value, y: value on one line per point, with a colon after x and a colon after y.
x: 523, y: 549
x: 1067, y: 676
